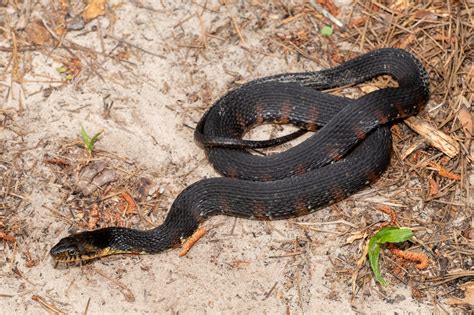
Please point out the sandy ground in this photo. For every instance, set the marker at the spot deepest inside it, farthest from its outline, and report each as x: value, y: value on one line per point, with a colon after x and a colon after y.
x: 158, y: 95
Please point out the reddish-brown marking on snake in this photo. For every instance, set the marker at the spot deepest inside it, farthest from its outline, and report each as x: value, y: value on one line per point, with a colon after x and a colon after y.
x: 285, y: 113
x: 301, y: 208
x: 259, y: 112
x: 226, y: 209
x: 333, y: 152
x: 400, y: 108
x: 300, y: 169
x: 260, y: 211
x: 312, y: 118
x: 381, y: 117
x: 337, y: 194
x: 239, y: 116
x: 196, y: 214
x: 232, y: 172
x: 359, y: 132
x: 372, y: 176
x: 265, y: 178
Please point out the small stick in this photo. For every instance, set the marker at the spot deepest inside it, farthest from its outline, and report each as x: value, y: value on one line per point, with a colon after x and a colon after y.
x: 133, y: 45
x: 47, y: 306
x: 129, y: 296
x: 267, y: 295
x: 203, y: 32
x: 237, y: 30
x: 326, y: 13
x: 87, y: 306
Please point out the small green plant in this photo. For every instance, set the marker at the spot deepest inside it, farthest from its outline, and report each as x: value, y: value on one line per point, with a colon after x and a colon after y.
x: 88, y: 141
x: 327, y: 30
x: 389, y: 234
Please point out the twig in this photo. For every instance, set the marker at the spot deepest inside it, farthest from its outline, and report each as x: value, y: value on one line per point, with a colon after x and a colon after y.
x: 134, y: 46
x: 125, y: 290
x: 47, y: 306
x: 326, y: 13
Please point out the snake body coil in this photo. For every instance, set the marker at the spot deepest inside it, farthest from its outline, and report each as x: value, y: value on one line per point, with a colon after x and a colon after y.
x: 350, y: 150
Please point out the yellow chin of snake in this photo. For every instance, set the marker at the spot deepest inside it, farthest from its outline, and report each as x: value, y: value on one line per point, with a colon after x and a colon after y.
x: 94, y: 254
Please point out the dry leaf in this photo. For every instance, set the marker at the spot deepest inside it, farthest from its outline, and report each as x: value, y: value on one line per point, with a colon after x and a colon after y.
x: 356, y: 236
x: 330, y: 6
x: 94, y: 9
x: 407, y: 40
x: 465, y: 117
x: 240, y: 263
x: 426, y: 15
x: 444, y: 172
x: 6, y: 237
x: 131, y: 207
x: 401, y: 5
x: 414, y: 147
x: 37, y: 33
x: 468, y: 299
x: 368, y: 88
x: 93, y: 216
x: 358, y: 21
x: 433, y: 189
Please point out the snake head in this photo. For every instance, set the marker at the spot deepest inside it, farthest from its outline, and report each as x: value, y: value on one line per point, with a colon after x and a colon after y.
x: 81, y: 246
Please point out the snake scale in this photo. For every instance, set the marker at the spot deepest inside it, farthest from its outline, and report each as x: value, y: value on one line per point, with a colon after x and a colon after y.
x: 350, y: 150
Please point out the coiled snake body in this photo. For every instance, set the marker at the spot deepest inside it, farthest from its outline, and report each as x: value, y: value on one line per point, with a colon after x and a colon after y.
x: 350, y: 150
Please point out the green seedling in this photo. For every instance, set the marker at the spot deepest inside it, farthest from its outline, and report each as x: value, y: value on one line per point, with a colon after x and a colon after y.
x: 88, y: 141
x: 387, y: 234
x: 327, y: 30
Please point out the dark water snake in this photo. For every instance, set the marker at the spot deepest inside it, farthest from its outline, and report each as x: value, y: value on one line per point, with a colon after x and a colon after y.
x: 350, y: 150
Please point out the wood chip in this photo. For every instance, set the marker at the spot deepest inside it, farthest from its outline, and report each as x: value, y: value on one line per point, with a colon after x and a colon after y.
x: 94, y: 9
x: 434, y: 137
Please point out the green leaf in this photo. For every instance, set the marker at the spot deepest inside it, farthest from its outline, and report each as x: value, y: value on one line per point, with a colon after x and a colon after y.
x: 61, y: 69
x: 95, y: 138
x: 391, y: 234
x: 388, y: 234
x: 88, y: 142
x: 374, y: 251
x: 327, y: 30
x: 85, y: 138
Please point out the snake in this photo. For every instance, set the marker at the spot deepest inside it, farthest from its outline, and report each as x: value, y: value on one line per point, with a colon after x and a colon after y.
x: 348, y: 149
